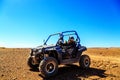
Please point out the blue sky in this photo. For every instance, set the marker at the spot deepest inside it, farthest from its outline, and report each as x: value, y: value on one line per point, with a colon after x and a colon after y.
x: 26, y: 23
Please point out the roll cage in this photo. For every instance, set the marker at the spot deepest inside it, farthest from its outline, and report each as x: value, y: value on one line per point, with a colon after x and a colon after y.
x: 62, y: 34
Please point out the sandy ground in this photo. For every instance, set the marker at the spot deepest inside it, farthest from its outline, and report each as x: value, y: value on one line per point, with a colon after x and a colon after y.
x: 105, y: 65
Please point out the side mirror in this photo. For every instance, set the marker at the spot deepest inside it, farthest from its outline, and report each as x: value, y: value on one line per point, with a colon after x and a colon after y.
x: 44, y: 42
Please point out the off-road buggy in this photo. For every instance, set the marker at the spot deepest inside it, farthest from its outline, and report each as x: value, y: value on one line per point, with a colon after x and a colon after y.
x: 48, y: 57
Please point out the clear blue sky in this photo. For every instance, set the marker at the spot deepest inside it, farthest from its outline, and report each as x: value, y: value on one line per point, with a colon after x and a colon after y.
x: 26, y: 23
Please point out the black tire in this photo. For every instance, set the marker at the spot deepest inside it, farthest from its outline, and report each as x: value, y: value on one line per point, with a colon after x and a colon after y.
x: 84, y: 62
x: 48, y: 67
x: 31, y: 64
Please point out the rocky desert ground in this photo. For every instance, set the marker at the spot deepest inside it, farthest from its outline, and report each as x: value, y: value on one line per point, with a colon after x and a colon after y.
x: 105, y: 65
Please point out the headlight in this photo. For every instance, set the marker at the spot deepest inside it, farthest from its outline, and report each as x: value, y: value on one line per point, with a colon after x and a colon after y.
x: 40, y: 50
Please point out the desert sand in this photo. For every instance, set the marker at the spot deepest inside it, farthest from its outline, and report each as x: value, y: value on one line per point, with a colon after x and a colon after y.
x: 105, y: 65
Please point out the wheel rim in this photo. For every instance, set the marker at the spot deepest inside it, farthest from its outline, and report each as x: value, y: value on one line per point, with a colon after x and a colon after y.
x: 86, y: 62
x: 50, y: 67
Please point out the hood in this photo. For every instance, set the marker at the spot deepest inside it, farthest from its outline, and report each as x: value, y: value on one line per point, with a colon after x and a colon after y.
x: 45, y: 46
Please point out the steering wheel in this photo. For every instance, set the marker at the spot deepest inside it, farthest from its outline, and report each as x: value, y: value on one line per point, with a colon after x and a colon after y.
x: 59, y: 42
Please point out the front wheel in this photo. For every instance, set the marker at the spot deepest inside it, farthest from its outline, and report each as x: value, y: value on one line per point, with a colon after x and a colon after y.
x: 84, y: 61
x: 31, y: 64
x: 48, y: 67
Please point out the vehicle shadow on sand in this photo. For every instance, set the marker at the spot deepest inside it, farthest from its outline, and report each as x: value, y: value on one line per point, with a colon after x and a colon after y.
x: 73, y: 72
x: 34, y: 70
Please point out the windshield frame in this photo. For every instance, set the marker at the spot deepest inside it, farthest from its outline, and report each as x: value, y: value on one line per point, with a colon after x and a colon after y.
x: 45, y: 43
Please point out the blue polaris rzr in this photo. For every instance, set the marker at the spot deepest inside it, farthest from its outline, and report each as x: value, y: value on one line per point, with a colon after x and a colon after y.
x: 56, y: 51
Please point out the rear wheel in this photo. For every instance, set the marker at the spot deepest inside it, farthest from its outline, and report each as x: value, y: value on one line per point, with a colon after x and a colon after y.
x: 84, y: 62
x: 48, y: 67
